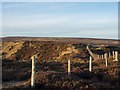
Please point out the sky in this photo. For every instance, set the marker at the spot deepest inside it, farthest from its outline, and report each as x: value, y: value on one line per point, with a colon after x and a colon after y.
x: 60, y: 19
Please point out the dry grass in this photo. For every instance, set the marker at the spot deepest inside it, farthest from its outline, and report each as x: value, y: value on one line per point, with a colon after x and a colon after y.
x: 52, y: 73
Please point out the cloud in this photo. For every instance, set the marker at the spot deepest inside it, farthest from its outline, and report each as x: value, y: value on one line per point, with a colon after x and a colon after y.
x: 46, y: 23
x: 74, y: 25
x: 48, y: 19
x: 85, y: 34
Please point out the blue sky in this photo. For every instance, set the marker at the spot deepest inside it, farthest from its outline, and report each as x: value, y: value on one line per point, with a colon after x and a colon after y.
x: 60, y: 19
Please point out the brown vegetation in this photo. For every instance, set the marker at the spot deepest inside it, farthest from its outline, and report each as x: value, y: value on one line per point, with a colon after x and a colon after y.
x: 51, y: 65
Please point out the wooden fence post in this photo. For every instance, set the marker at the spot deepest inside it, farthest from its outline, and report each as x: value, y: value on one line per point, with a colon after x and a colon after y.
x: 109, y: 54
x: 90, y: 64
x: 116, y: 55
x: 33, y: 73
x: 102, y: 56
x: 113, y: 54
x: 69, y: 67
x: 106, y: 59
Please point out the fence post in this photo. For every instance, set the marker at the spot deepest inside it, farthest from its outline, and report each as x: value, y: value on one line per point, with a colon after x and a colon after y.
x: 106, y: 59
x: 102, y: 56
x: 33, y: 73
x: 69, y: 67
x: 116, y: 55
x: 109, y: 55
x: 90, y: 64
x: 113, y: 54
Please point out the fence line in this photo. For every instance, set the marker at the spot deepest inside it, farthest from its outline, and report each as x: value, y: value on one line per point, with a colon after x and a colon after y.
x: 115, y: 55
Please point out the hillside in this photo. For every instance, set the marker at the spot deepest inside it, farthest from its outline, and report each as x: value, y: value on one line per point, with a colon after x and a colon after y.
x: 52, y: 55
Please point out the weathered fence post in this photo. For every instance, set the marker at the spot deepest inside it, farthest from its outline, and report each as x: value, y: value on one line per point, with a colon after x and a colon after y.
x: 102, y: 56
x: 113, y: 54
x: 116, y: 55
x: 109, y: 55
x: 69, y: 67
x: 90, y: 64
x: 106, y: 59
x: 33, y: 73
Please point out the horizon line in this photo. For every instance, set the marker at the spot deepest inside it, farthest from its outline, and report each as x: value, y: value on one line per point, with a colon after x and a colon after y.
x: 56, y: 37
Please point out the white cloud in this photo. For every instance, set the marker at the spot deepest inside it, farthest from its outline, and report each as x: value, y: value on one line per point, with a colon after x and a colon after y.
x: 83, y: 24
x: 44, y: 20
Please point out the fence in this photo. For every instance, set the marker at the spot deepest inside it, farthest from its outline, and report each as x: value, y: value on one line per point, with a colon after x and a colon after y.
x: 115, y: 57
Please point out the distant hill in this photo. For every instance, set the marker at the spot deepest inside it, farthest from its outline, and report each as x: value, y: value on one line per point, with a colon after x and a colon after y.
x: 45, y: 49
x: 90, y: 41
